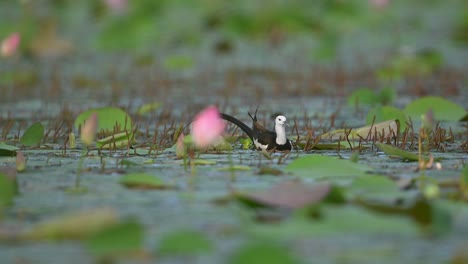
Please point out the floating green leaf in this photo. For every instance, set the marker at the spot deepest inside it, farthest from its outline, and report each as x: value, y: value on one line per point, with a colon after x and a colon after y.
x: 266, y: 252
x: 119, y: 140
x: 184, y: 242
x: 7, y: 150
x: 33, y: 135
x: 384, y: 113
x: 75, y: 225
x: 443, y: 109
x: 393, y: 151
x: 373, y: 183
x: 125, y: 237
x: 143, y: 181
x: 109, y: 118
x: 316, y: 166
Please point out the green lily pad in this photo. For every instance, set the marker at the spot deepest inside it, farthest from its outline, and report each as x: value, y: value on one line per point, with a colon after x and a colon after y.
x: 119, y: 238
x: 7, y: 150
x: 316, y: 166
x: 143, y: 181
x: 178, y: 63
x: 236, y: 168
x: 109, y: 118
x: 33, y: 135
x: 443, y: 109
x: 184, y: 242
x: 266, y: 252
x: 384, y: 113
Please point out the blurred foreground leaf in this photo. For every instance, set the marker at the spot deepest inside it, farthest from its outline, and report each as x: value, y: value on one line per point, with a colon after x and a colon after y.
x: 75, y: 225
x: 120, y: 238
x: 184, y: 242
x: 265, y: 252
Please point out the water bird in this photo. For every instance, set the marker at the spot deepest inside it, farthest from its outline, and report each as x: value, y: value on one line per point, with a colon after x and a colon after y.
x: 263, y: 138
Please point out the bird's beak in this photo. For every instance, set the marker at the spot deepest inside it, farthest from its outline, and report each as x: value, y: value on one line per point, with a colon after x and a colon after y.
x: 286, y: 124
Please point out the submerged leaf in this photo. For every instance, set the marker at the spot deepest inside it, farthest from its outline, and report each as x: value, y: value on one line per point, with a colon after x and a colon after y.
x: 316, y: 166
x: 364, y: 96
x: 33, y: 135
x: 119, y: 238
x: 443, y: 109
x: 143, y: 181
x: 184, y: 242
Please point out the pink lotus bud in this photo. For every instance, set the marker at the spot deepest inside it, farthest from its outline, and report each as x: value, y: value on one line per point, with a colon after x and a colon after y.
x: 20, y: 161
x: 89, y: 129
x: 10, y: 45
x: 207, y: 127
x: 180, y: 146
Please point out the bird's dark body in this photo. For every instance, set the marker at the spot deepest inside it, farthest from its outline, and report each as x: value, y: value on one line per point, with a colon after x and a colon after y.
x: 259, y: 134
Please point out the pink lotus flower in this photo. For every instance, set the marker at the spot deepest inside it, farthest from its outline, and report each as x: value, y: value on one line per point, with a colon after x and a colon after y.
x: 207, y: 127
x: 10, y: 45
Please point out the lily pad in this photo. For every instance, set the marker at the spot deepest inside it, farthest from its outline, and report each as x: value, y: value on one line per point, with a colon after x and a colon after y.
x: 147, y: 108
x: 443, y: 109
x: 143, y: 181
x: 236, y: 168
x: 184, y: 242
x: 33, y: 135
x: 317, y: 166
x: 385, y: 113
x: 7, y: 150
x: 393, y: 151
x: 119, y: 238
x: 109, y: 118
x: 383, y: 129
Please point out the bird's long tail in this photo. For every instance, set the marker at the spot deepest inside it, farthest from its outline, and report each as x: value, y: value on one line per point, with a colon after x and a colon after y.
x: 238, y: 123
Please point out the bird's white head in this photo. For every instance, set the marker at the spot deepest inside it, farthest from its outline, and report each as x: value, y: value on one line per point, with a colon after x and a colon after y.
x: 280, y: 120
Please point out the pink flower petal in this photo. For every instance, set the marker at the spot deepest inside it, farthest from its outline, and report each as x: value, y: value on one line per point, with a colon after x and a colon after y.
x: 207, y: 127
x: 10, y: 44
x: 89, y: 129
x: 117, y: 6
